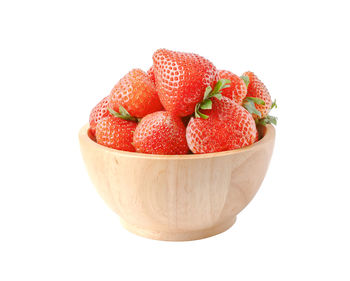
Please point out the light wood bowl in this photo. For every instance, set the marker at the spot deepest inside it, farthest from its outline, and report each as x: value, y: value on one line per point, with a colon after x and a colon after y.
x: 177, y: 197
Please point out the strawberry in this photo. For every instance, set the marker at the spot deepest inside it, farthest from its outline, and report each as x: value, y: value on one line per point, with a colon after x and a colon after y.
x: 258, y: 100
x: 150, y: 73
x: 161, y: 132
x: 228, y: 126
x: 116, y: 130
x: 136, y: 93
x: 181, y: 79
x: 97, y: 113
x: 238, y: 89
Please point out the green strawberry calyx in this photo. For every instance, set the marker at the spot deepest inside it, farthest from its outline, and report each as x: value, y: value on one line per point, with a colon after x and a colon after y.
x: 209, y: 93
x: 246, y: 80
x: 274, y: 104
x: 123, y: 114
x: 269, y: 119
x: 249, y: 104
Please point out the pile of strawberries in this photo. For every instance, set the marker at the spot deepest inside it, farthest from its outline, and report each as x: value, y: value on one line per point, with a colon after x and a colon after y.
x: 182, y: 104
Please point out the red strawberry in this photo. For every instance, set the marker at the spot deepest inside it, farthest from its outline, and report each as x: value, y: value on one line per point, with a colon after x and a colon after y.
x: 150, y: 74
x: 181, y: 79
x: 229, y: 126
x: 116, y: 132
x: 258, y: 94
x: 136, y: 93
x: 97, y: 113
x: 161, y: 132
x: 237, y: 90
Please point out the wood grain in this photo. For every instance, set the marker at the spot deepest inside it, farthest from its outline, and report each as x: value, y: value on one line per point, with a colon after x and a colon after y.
x: 178, y: 197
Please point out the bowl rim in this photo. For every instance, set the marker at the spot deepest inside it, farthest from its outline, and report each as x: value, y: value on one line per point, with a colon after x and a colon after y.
x: 268, y: 137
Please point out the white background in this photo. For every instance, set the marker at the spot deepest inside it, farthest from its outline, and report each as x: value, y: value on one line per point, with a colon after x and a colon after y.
x: 59, y: 58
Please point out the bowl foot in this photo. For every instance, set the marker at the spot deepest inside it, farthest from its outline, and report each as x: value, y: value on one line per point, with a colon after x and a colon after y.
x: 179, y: 236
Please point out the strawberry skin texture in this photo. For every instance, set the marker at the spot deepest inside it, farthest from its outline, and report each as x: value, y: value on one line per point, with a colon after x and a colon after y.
x: 97, y: 113
x: 181, y: 79
x: 150, y: 73
x: 115, y: 133
x: 237, y: 90
x: 136, y: 93
x: 257, y: 89
x: 229, y: 126
x: 161, y: 132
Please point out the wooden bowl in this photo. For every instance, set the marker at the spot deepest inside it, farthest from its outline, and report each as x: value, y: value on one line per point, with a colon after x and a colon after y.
x: 177, y: 197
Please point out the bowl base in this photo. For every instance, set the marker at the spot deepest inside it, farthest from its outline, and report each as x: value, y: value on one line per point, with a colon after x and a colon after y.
x: 179, y: 236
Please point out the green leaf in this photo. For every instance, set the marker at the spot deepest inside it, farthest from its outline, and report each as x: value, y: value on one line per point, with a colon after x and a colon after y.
x: 267, y: 120
x: 256, y: 100
x: 123, y: 114
x: 219, y: 85
x: 196, y: 110
x: 206, y: 104
x: 274, y: 104
x: 245, y: 79
x: 123, y: 111
x: 218, y: 96
x: 225, y: 81
x: 250, y: 106
x: 203, y: 116
x: 272, y: 119
x: 207, y: 92
x: 113, y: 112
x: 199, y: 114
